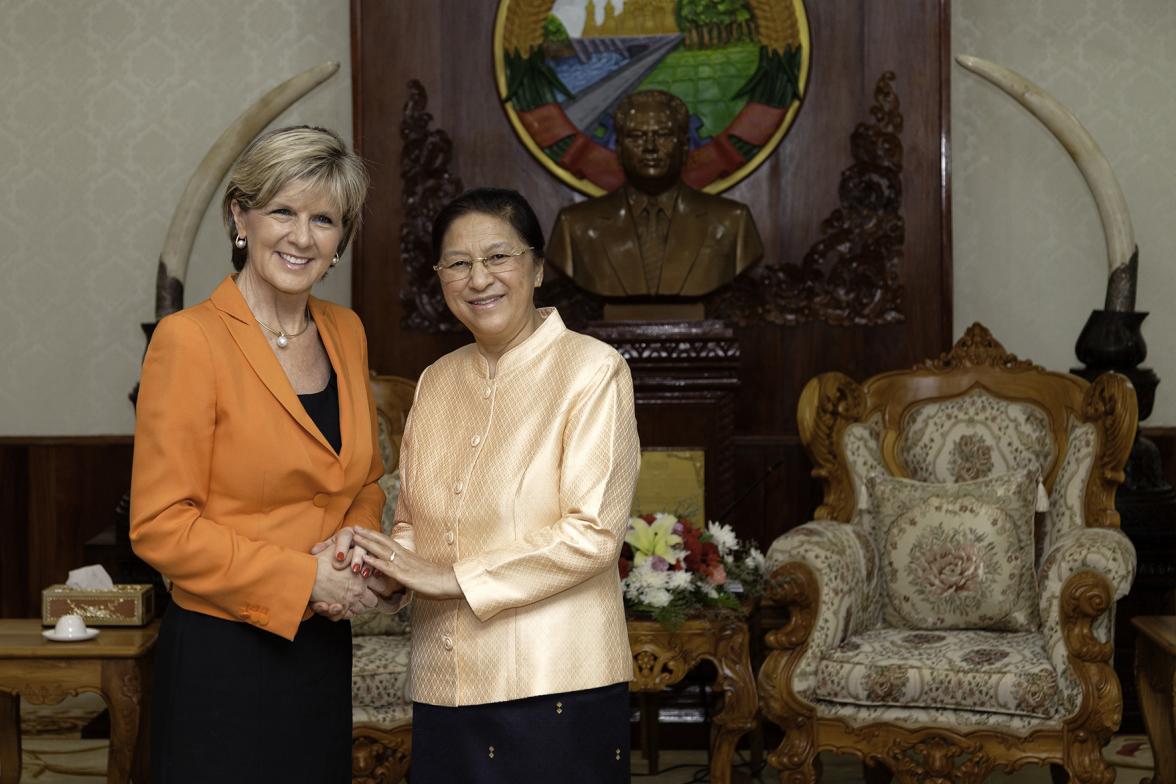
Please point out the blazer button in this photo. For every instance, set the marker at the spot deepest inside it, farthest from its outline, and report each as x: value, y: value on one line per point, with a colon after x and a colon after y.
x: 447, y: 643
x: 321, y: 499
x: 457, y: 488
x: 475, y: 440
x: 486, y: 392
x: 449, y: 537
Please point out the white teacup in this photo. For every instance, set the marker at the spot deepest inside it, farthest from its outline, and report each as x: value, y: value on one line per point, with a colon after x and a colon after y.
x: 70, y: 626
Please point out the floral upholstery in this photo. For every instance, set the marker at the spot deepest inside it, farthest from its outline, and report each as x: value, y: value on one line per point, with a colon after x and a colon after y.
x: 379, y: 670
x: 956, y: 556
x: 921, y: 718
x: 381, y: 643
x: 1069, y: 490
x: 957, y: 670
x: 1105, y: 551
x: 974, y: 436
x: 843, y: 559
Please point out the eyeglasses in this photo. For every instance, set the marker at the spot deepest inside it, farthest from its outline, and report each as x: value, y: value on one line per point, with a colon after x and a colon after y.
x: 455, y: 270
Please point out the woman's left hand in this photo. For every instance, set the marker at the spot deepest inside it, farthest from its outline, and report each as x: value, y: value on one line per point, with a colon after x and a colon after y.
x: 429, y: 580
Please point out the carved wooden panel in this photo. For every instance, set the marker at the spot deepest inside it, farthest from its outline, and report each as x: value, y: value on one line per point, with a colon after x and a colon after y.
x: 796, y: 198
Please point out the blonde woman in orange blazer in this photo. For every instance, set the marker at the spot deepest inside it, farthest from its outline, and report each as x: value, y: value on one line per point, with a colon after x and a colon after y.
x: 256, y: 440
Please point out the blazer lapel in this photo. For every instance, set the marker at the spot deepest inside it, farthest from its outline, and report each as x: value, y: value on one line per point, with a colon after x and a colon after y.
x: 619, y: 243
x: 249, y: 338
x: 688, y: 236
x: 332, y: 340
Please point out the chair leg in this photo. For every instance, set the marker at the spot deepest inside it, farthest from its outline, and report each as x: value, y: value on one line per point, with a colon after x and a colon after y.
x: 876, y: 774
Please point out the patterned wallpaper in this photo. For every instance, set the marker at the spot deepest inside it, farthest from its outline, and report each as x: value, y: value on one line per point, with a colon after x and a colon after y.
x: 106, y: 107
x: 1030, y: 259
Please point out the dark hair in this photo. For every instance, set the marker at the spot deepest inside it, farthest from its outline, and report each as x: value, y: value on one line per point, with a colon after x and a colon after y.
x: 499, y: 202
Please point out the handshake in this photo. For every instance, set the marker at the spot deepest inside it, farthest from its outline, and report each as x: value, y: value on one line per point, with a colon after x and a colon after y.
x: 349, y: 580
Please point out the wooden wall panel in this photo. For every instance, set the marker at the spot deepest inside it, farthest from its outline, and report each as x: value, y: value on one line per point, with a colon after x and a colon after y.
x: 55, y: 494
x: 446, y: 44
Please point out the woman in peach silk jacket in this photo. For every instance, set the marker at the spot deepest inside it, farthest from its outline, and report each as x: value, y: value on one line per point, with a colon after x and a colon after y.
x: 518, y: 466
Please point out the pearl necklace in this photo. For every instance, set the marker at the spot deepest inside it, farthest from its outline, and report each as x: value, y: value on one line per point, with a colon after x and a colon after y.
x: 284, y: 336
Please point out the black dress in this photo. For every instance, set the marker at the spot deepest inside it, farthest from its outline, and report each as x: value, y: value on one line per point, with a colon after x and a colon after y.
x: 234, y: 703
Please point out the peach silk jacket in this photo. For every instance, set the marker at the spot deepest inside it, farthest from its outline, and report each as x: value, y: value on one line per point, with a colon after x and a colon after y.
x: 232, y: 481
x: 523, y: 481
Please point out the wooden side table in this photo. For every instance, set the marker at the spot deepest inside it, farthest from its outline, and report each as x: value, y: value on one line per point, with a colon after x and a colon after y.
x: 1155, y: 677
x: 116, y: 664
x: 662, y: 658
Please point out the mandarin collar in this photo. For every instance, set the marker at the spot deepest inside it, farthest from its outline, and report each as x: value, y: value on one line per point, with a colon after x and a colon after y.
x: 533, y: 345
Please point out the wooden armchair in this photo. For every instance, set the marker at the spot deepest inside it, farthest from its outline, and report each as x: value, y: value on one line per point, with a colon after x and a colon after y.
x: 951, y: 705
x: 381, y: 717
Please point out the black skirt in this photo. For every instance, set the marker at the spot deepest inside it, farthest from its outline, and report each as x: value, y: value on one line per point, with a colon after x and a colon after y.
x: 578, y: 737
x: 233, y: 703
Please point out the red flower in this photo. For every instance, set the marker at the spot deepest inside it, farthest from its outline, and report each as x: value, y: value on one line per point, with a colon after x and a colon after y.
x: 625, y: 566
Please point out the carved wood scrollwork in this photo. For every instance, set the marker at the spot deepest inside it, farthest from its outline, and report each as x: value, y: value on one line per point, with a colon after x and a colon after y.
x: 380, y: 755
x: 662, y: 657
x: 978, y: 348
x: 850, y: 276
x: 794, y: 587
x: 828, y: 404
x: 424, y: 167
x: 1110, y: 404
x: 938, y: 760
x: 1086, y: 596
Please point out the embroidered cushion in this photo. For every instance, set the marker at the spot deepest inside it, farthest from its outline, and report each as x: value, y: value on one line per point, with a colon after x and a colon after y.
x: 956, y: 556
x: 958, y: 670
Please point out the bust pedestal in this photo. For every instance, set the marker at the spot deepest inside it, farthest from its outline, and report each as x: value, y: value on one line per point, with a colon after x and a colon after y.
x: 685, y: 376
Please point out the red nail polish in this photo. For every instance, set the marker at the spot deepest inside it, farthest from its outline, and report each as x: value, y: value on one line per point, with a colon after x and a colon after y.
x: 366, y: 571
x: 355, y: 568
x: 339, y: 556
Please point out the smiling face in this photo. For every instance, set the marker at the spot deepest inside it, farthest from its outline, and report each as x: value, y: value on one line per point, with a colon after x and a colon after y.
x: 291, y: 240
x: 497, y: 307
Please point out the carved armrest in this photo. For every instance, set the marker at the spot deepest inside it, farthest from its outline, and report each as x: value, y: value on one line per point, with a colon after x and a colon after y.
x: 1082, y: 576
x: 825, y: 574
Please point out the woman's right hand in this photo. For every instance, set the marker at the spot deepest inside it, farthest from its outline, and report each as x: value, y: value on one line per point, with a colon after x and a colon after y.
x: 340, y: 587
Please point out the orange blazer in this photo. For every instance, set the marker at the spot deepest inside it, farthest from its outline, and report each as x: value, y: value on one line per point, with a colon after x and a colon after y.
x: 232, y: 482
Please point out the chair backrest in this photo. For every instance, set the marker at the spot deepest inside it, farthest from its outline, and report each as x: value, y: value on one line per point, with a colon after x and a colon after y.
x: 975, y: 411
x: 394, y: 396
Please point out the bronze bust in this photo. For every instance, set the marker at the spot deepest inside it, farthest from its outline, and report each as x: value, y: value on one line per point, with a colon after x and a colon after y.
x: 653, y: 236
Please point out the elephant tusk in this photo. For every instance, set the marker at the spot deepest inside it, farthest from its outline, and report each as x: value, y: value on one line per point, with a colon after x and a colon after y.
x: 1095, y: 169
x: 181, y: 233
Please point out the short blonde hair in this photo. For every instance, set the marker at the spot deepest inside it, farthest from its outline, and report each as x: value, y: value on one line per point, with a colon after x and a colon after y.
x: 303, y: 153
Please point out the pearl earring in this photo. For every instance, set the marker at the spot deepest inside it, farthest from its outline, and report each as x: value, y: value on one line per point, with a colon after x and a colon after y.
x: 334, y: 259
x: 239, y: 242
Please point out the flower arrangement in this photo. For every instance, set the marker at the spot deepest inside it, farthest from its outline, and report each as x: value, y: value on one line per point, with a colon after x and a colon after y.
x: 672, y: 568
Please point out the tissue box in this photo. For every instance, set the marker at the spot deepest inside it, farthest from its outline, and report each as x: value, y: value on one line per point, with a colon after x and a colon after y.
x: 129, y: 604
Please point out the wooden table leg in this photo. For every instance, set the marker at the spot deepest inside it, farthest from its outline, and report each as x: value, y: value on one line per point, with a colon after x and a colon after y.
x: 740, y: 703
x: 1155, y: 678
x: 9, y: 738
x: 122, y: 686
x: 649, y: 731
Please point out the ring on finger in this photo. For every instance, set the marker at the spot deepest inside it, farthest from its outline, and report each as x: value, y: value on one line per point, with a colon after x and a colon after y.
x: 392, y: 556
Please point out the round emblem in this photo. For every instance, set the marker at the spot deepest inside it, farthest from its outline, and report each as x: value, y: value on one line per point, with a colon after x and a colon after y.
x: 740, y: 66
